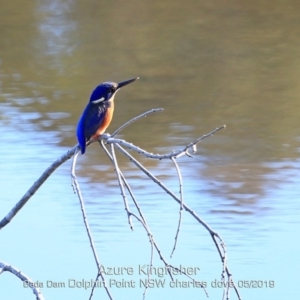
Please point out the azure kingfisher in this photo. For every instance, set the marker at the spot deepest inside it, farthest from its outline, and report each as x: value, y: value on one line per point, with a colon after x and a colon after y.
x: 98, y: 113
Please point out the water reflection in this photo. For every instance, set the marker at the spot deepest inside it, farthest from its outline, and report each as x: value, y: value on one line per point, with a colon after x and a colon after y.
x: 55, y: 28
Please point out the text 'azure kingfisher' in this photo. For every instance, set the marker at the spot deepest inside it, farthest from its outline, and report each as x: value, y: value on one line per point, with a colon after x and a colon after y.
x: 98, y: 113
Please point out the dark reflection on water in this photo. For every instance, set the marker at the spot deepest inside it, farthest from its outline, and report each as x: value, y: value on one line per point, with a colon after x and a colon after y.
x: 207, y: 64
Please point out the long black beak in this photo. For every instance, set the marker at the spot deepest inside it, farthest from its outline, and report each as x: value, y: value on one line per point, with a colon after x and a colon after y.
x: 123, y: 83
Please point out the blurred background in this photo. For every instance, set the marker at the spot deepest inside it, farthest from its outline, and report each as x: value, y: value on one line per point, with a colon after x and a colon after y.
x: 207, y: 63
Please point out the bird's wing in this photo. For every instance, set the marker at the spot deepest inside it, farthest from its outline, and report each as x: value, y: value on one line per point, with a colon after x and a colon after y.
x: 94, y: 120
x: 90, y: 121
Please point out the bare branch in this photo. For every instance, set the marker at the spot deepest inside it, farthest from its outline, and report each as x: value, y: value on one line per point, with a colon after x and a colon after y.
x: 36, y: 186
x: 176, y: 154
x: 27, y: 281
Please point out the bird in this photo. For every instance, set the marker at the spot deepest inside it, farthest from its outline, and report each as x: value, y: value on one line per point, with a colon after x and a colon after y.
x: 99, y: 112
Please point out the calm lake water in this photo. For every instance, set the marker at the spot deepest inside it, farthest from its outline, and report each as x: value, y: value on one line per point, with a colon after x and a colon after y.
x: 207, y: 64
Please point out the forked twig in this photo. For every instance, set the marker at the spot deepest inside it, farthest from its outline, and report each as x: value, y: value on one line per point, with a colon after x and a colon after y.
x: 176, y: 154
x: 125, y: 182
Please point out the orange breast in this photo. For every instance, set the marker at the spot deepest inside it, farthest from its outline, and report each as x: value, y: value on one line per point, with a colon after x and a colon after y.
x: 106, y: 120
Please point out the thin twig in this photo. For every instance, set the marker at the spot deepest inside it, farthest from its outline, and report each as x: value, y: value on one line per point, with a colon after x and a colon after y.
x: 86, y: 224
x: 181, y: 204
x: 150, y: 264
x: 29, y: 283
x: 136, y: 118
x: 121, y: 185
